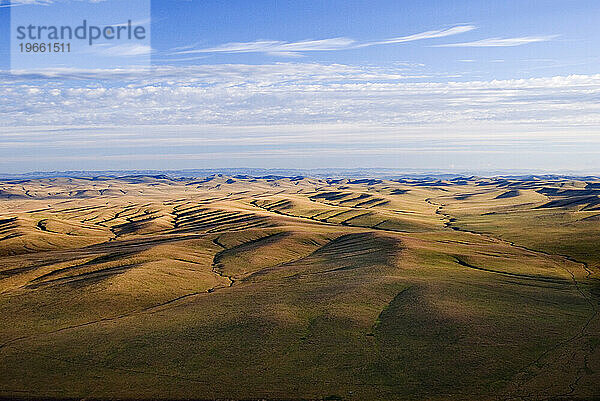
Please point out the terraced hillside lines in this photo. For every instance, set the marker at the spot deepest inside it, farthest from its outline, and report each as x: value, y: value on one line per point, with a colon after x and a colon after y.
x: 7, y: 226
x: 197, y: 218
x: 386, y: 220
x: 349, y: 199
x: 432, y: 288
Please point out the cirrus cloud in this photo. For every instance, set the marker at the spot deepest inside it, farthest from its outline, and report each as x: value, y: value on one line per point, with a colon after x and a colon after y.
x: 502, y: 42
x: 295, y: 49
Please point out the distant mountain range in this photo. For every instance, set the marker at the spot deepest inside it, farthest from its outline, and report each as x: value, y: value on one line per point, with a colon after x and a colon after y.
x: 380, y: 173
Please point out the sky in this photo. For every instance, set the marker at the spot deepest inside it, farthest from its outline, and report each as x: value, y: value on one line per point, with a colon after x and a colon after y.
x: 453, y: 85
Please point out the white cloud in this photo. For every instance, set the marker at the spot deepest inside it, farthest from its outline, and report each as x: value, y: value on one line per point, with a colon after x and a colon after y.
x: 15, y: 3
x: 145, y: 21
x: 501, y: 42
x: 440, y: 33
x: 121, y: 50
x: 293, y: 114
x: 295, y: 49
x: 274, y: 47
x: 291, y: 93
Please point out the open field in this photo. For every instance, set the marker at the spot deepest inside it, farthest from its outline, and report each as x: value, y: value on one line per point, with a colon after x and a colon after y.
x: 300, y: 288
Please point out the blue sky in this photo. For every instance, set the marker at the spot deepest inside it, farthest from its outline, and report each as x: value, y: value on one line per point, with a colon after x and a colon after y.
x: 448, y: 85
x: 207, y: 24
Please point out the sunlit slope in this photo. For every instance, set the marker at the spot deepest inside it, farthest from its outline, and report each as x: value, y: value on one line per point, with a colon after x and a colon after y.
x: 555, y: 216
x: 287, y: 288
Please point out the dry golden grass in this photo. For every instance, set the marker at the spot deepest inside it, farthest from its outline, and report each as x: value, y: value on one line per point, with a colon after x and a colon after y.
x: 279, y: 288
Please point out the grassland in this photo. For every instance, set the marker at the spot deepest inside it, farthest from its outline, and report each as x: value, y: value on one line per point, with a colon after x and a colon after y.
x: 300, y: 288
